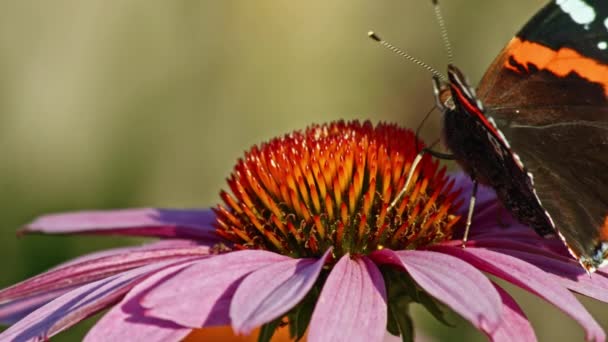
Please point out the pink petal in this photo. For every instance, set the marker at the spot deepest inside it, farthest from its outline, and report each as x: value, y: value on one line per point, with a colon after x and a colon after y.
x: 533, y: 244
x: 454, y: 282
x: 91, y: 269
x: 13, y: 311
x: 490, y: 226
x: 531, y: 278
x: 270, y: 292
x: 150, y: 246
x: 515, y: 325
x: 207, y: 286
x: 568, y: 272
x: 75, y: 306
x: 14, y: 308
x: 526, y: 240
x: 128, y: 321
x: 174, y: 223
x: 352, y: 304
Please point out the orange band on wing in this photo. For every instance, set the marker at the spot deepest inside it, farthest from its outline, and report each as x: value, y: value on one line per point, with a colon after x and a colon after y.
x: 604, y: 230
x: 561, y: 62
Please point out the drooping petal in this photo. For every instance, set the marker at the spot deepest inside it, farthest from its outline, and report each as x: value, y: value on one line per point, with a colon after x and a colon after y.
x: 454, y: 282
x: 490, y: 226
x: 155, y: 245
x: 352, y: 304
x: 532, y: 243
x: 531, y: 278
x: 75, y: 306
x: 15, y: 310
x: 91, y: 269
x: 207, y: 286
x: 21, y: 299
x: 567, y: 271
x: 128, y: 320
x: 270, y: 292
x: 548, y: 246
x: 515, y: 325
x: 173, y: 223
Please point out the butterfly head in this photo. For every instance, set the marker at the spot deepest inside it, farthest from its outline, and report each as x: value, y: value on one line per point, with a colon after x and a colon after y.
x: 450, y: 94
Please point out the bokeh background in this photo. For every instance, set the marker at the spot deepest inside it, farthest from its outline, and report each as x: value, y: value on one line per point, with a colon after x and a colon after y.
x: 114, y: 104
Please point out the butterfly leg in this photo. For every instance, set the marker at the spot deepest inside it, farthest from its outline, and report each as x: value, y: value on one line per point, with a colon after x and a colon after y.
x: 413, y: 168
x: 473, y: 194
x: 439, y: 155
x: 465, y: 237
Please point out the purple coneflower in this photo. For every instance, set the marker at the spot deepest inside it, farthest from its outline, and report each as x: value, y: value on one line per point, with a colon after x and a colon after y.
x: 309, y: 239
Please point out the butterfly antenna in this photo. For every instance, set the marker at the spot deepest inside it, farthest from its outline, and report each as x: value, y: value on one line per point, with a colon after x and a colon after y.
x: 404, y: 54
x: 444, y: 31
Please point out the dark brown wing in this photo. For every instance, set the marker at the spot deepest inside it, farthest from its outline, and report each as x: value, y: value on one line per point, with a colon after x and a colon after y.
x: 569, y: 162
x: 547, y: 92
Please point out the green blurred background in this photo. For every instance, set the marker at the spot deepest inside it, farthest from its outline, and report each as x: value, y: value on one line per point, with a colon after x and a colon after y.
x: 114, y: 104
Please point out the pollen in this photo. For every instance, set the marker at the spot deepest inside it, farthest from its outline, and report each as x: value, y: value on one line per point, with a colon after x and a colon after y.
x: 333, y: 186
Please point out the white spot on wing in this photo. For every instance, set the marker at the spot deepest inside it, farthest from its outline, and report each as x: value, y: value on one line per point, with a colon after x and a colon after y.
x: 502, y: 136
x: 602, y: 45
x: 530, y: 175
x: 578, y: 10
x: 601, y: 254
x: 597, y: 260
x: 518, y: 161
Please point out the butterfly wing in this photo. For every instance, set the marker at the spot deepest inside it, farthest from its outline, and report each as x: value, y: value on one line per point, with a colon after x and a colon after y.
x: 548, y: 93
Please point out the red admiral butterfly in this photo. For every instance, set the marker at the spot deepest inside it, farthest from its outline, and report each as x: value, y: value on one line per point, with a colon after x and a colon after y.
x: 537, y: 132
x: 540, y: 139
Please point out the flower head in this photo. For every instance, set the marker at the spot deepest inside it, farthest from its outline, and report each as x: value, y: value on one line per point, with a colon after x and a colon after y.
x: 313, y: 236
x: 332, y: 186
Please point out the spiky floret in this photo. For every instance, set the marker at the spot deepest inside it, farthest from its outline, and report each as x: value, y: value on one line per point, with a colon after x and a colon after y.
x: 332, y: 185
